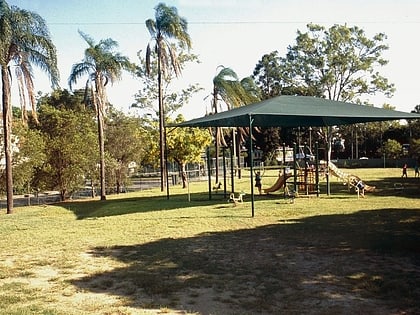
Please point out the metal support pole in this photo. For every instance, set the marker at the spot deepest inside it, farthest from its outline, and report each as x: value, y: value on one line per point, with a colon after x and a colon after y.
x: 209, y: 170
x: 295, y: 186
x: 316, y: 169
x: 284, y: 170
x: 328, y: 159
x: 232, y: 168
x: 224, y: 171
x: 251, y: 161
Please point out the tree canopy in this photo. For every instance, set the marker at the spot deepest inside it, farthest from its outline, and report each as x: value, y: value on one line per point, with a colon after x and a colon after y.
x: 340, y: 62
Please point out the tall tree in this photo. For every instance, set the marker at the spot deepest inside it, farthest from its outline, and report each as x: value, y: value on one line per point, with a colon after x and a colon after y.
x: 173, y: 100
x: 168, y: 31
x: 101, y: 64
x: 186, y: 145
x: 28, y: 155
x: 340, y: 63
x: 147, y: 98
x: 231, y: 92
x: 268, y: 75
x: 124, y: 144
x: 24, y: 41
x: 70, y: 139
x: 415, y: 125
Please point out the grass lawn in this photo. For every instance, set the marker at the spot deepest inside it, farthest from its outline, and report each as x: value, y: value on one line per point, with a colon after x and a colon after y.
x: 139, y: 253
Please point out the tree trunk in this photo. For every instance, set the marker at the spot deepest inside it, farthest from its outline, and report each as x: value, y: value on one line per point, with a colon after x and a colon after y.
x: 217, y: 145
x: 63, y: 193
x: 184, y: 176
x: 101, y: 154
x: 7, y: 131
x: 92, y: 187
x: 161, y: 127
x: 99, y: 113
x: 238, y: 153
x: 217, y: 135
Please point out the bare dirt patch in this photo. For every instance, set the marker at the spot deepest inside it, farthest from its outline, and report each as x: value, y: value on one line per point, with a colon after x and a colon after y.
x: 318, y: 265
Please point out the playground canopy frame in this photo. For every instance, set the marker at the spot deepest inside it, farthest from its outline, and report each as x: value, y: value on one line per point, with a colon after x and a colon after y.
x: 296, y: 111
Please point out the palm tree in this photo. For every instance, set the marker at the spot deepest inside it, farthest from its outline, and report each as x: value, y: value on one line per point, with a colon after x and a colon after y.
x: 167, y: 31
x: 233, y: 92
x: 102, y: 65
x: 24, y: 41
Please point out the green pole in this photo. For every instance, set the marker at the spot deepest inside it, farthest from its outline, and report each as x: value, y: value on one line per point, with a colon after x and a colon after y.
x: 284, y: 170
x: 251, y: 161
x: 232, y: 160
x: 295, y: 167
x: 209, y: 171
x: 316, y: 169
x: 224, y: 171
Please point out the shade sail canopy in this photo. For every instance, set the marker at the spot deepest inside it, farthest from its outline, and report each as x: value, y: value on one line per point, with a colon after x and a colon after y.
x: 298, y: 111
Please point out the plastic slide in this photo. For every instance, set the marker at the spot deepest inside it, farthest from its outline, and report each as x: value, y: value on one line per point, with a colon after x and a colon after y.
x: 277, y: 185
x: 349, y: 179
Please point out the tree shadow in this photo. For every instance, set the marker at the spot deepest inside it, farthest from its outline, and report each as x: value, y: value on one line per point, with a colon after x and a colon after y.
x: 95, y: 208
x: 366, y: 262
x: 397, y: 186
x: 389, y: 186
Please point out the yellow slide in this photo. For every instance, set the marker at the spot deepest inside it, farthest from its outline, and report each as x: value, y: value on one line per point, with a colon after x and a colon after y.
x: 277, y: 185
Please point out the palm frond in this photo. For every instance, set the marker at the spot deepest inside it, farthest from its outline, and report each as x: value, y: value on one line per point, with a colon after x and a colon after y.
x: 31, y: 36
x: 151, y: 26
x: 171, y: 25
x: 148, y: 56
x: 26, y: 71
x: 79, y: 70
x: 89, y: 40
x: 174, y: 60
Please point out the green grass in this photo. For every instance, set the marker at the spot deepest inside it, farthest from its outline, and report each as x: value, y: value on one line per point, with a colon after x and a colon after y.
x: 141, y: 253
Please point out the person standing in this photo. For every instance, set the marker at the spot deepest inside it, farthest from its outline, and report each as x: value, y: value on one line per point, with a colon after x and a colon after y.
x: 258, y: 181
x: 416, y: 171
x: 404, y: 171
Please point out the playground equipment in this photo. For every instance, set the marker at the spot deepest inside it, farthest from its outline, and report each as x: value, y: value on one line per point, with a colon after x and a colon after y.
x: 350, y: 180
x: 306, y: 181
x: 236, y: 199
x: 279, y: 184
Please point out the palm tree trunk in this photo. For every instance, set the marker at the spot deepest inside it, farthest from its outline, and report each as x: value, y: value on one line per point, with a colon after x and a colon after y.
x: 101, y: 153
x: 7, y: 131
x: 238, y: 153
x: 161, y: 127
x: 217, y: 135
x: 99, y: 114
x: 217, y: 153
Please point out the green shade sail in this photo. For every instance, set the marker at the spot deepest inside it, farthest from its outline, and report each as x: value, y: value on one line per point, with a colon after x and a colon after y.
x: 298, y: 111
x: 295, y: 111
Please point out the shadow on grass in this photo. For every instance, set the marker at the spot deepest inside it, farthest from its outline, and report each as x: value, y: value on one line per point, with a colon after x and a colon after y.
x: 367, y: 262
x: 94, y: 208
x: 389, y: 186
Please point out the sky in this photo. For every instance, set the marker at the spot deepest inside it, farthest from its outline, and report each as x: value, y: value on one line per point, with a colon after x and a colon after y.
x: 232, y: 33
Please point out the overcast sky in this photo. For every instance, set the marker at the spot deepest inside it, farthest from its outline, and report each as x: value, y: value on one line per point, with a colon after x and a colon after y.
x: 232, y: 33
